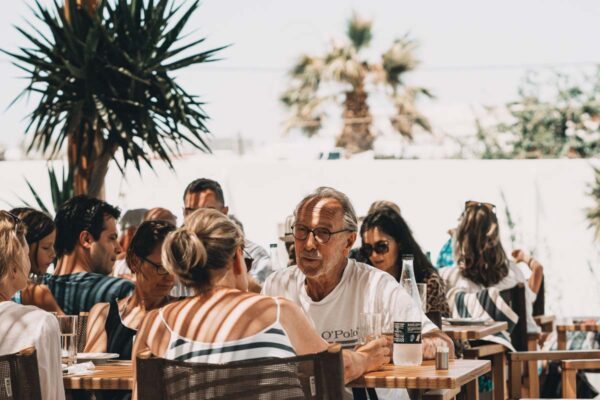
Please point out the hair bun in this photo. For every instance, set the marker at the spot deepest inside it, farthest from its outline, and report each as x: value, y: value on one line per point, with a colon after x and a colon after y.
x: 184, y: 254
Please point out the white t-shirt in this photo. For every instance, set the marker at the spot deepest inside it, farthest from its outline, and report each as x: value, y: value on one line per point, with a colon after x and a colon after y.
x: 26, y: 326
x: 454, y: 279
x: 362, y: 289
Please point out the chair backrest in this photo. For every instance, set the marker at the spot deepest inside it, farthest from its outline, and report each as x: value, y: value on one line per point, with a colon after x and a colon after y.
x: 515, y: 297
x: 539, y: 305
x: 19, y: 376
x: 82, y: 330
x: 312, y: 376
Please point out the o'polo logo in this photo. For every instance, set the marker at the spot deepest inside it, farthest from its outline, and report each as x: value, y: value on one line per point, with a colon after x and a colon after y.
x: 339, y: 335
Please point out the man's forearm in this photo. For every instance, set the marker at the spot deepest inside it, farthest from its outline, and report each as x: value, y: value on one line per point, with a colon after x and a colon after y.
x: 354, y: 365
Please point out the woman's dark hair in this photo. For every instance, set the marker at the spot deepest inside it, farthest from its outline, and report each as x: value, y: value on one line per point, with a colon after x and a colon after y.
x: 477, y: 248
x: 391, y: 223
x: 39, y: 224
x: 148, y: 235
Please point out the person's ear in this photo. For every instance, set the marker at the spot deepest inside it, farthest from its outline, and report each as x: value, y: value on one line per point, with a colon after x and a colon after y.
x: 239, y: 266
x: 136, y: 264
x: 350, y: 241
x: 225, y: 210
x: 86, y: 239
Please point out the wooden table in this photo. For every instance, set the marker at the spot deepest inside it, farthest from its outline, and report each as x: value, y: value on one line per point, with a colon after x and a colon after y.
x: 473, y: 332
x: 425, y: 376
x: 561, y: 332
x: 111, y: 376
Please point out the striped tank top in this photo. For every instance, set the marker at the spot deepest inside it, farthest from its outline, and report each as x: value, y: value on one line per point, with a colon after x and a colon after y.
x: 271, y: 342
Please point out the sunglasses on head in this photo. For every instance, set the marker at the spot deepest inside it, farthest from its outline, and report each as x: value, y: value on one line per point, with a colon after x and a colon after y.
x: 380, y: 247
x: 472, y: 203
x: 16, y: 220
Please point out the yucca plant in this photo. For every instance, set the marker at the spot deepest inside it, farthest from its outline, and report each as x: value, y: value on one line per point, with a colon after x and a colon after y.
x: 61, y: 190
x: 104, y: 73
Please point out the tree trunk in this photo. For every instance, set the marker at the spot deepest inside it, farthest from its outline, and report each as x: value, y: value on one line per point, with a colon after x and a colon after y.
x: 89, y: 170
x: 356, y: 135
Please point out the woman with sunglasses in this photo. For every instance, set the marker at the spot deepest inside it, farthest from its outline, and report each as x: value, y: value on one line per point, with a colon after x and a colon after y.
x: 386, y: 237
x: 41, y: 234
x: 22, y: 326
x: 481, y: 261
x: 112, y: 326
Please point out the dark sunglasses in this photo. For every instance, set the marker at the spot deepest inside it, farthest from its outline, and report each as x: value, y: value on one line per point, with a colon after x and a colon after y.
x: 472, y: 203
x: 248, y: 260
x: 380, y: 247
x: 159, y: 268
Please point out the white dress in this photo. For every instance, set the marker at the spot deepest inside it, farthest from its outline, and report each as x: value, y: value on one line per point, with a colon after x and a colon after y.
x: 26, y: 326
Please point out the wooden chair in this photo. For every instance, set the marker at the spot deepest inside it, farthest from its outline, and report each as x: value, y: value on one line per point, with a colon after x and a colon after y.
x: 569, y: 374
x: 312, y: 376
x: 82, y: 330
x: 520, y: 339
x: 518, y: 358
x: 19, y: 376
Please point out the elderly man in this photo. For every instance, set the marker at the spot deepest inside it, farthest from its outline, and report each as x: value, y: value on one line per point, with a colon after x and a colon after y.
x: 332, y: 289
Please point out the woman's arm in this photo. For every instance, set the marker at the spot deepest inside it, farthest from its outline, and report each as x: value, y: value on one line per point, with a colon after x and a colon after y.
x: 537, y: 270
x: 40, y: 296
x: 96, y: 333
x: 306, y: 340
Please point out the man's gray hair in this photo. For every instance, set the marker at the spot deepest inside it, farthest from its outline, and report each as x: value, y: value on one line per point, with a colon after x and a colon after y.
x: 324, y: 192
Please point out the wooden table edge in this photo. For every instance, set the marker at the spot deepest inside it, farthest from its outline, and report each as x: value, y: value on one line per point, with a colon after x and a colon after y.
x: 498, y: 326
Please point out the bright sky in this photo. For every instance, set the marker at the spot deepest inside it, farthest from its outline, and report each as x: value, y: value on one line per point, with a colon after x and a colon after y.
x: 472, y: 52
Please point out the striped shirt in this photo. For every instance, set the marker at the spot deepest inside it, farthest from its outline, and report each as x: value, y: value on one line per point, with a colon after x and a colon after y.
x: 271, y: 342
x: 79, y: 292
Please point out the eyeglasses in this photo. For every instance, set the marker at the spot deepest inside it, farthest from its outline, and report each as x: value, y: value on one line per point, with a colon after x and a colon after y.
x: 248, y: 260
x: 380, y: 247
x: 159, y: 268
x: 472, y: 203
x: 322, y: 235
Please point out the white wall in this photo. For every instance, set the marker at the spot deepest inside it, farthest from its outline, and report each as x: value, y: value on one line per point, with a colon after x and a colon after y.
x: 547, y: 199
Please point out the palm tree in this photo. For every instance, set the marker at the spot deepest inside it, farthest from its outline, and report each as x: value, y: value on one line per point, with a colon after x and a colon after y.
x: 343, y: 75
x: 104, y: 75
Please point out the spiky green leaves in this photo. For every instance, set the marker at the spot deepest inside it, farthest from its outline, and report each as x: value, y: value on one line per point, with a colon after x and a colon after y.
x: 111, y: 74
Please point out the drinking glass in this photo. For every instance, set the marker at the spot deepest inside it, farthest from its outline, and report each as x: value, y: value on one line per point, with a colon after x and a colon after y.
x: 68, y: 338
x: 369, y: 327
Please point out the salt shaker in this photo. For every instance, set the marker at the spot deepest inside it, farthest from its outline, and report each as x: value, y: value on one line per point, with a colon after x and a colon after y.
x: 441, y: 357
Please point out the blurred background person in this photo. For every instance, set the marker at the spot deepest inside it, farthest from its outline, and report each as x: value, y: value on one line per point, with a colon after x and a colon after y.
x: 41, y: 235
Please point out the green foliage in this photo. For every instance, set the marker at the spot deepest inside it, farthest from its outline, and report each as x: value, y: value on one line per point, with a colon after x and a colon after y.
x: 61, y: 190
x: 110, y: 75
x: 340, y: 77
x: 593, y: 213
x: 556, y: 119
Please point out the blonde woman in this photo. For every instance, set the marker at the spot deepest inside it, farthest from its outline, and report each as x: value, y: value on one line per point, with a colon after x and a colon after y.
x: 25, y: 326
x: 222, y: 321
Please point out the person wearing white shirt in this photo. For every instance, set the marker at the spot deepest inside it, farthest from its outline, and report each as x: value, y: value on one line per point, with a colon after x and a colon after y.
x: 333, y: 290
x: 26, y: 326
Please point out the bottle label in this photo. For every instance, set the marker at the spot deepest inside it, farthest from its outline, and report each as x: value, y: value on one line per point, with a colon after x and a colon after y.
x: 407, y: 332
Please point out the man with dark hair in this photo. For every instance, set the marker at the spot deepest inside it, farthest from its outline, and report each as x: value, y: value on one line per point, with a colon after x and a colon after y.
x: 206, y: 193
x: 86, y: 246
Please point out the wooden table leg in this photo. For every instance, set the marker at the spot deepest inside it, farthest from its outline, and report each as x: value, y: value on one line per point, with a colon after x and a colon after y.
x: 498, y: 361
x: 472, y: 389
x: 561, y: 337
x: 569, y: 384
x: 515, y: 379
x: 532, y: 373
